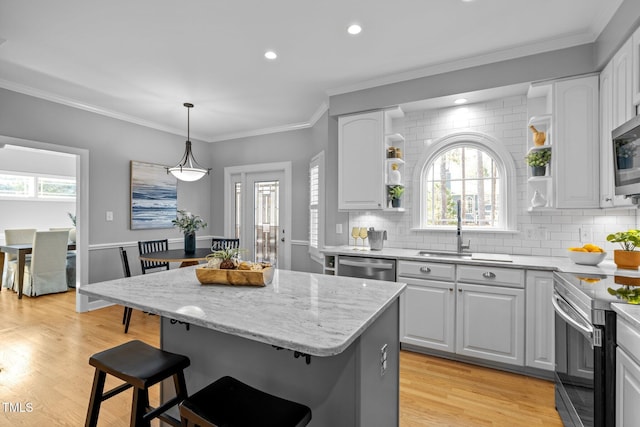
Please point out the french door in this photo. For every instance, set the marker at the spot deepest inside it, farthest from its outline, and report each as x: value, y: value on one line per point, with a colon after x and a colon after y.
x: 258, y: 211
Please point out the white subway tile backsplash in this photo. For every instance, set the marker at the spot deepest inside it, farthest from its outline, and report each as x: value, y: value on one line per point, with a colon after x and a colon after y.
x: 506, y: 120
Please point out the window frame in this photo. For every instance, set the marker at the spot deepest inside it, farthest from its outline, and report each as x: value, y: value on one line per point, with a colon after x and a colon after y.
x: 35, y: 190
x: 504, y: 163
x: 314, y: 251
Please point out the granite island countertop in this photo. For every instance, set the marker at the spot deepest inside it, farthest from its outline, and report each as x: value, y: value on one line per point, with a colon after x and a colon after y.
x: 315, y: 314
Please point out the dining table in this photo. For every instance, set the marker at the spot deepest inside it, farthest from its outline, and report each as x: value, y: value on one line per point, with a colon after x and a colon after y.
x: 21, y: 251
x: 178, y: 255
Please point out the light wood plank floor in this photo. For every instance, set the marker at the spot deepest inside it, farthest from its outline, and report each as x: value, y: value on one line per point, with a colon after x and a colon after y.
x: 45, y: 378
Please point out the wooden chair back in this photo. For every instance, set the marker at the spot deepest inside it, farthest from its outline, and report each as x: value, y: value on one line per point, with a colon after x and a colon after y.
x: 153, y: 246
x: 219, y: 244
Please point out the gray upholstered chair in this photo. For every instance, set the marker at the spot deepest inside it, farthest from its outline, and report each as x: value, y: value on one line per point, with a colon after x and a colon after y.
x: 14, y: 237
x: 46, y: 272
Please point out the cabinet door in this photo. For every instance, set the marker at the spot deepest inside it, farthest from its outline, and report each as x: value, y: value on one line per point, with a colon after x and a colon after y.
x: 635, y: 73
x: 575, y: 159
x: 622, y: 85
x: 627, y: 390
x: 540, y: 331
x: 360, y: 161
x: 427, y: 314
x: 490, y: 323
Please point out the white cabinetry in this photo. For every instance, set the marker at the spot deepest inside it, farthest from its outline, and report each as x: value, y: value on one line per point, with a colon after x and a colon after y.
x: 627, y: 375
x: 540, y: 331
x: 575, y: 161
x: 614, y: 91
x: 635, y: 56
x: 484, y: 320
x: 360, y: 161
x: 490, y: 318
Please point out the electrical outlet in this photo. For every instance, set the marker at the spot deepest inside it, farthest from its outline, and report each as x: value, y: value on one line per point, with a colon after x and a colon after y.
x: 586, y: 234
x: 529, y: 232
x: 338, y: 228
x: 109, y: 216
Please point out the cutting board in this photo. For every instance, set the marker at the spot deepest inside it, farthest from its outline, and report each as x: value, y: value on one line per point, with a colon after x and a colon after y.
x: 492, y: 257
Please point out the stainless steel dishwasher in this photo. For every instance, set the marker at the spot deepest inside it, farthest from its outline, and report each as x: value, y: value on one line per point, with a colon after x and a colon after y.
x: 367, y: 268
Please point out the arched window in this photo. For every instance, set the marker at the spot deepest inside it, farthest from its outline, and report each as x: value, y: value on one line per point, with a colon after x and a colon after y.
x: 468, y: 167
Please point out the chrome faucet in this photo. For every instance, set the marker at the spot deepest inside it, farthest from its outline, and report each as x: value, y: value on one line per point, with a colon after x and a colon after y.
x: 461, y: 246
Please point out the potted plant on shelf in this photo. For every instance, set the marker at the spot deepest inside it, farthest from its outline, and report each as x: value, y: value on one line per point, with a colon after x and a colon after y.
x: 395, y: 195
x: 538, y: 160
x: 627, y: 257
x: 188, y: 224
x: 624, y: 154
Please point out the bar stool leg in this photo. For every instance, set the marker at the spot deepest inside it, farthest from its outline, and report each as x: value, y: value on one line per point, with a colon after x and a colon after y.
x: 96, y: 398
x: 139, y: 408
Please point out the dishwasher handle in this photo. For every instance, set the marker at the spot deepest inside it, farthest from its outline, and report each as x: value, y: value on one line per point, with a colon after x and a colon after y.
x: 378, y: 265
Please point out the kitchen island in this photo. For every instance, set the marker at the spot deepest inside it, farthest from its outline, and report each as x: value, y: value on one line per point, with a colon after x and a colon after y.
x: 328, y: 342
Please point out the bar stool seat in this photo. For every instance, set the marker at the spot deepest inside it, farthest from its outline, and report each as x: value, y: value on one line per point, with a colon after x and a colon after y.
x: 140, y: 366
x: 232, y: 403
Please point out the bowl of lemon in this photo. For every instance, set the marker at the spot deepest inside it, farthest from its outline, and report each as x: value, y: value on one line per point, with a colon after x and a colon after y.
x: 588, y: 254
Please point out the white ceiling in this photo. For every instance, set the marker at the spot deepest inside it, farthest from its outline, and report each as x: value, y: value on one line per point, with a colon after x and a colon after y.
x: 140, y: 60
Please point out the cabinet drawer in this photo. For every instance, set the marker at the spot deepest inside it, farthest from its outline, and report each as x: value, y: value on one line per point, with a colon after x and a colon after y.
x: 427, y: 270
x: 489, y: 275
x: 628, y: 338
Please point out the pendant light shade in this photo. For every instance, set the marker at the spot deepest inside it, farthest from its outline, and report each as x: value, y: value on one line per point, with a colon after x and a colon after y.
x: 188, y: 168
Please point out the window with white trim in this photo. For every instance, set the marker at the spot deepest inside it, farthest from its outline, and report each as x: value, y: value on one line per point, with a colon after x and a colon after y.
x: 14, y: 185
x: 470, y: 168
x: 316, y: 205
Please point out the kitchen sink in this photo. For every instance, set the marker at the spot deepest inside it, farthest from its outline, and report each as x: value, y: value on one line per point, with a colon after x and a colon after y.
x: 444, y: 254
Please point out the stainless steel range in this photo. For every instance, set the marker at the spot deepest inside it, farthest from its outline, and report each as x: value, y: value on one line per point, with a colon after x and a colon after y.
x: 585, y: 329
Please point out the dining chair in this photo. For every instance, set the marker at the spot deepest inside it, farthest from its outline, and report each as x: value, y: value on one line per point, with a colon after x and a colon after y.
x: 223, y: 243
x: 15, y: 236
x: 71, y: 258
x: 126, y: 316
x: 46, y: 272
x: 146, y: 246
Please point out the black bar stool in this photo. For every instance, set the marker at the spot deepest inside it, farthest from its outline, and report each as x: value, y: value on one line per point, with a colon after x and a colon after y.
x: 140, y: 366
x: 229, y: 402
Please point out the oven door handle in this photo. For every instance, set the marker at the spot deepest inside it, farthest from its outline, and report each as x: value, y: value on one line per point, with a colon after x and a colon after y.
x: 565, y: 312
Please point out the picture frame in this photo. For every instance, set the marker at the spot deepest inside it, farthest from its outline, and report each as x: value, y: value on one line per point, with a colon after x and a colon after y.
x: 154, y: 196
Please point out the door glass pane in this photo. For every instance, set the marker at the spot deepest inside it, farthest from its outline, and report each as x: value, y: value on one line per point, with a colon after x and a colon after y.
x: 267, y: 227
x: 238, y: 209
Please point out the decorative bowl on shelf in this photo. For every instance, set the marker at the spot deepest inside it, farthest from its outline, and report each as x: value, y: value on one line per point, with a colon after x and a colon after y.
x: 587, y: 258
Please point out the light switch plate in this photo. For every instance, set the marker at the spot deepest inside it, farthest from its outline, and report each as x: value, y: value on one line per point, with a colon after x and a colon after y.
x: 109, y: 216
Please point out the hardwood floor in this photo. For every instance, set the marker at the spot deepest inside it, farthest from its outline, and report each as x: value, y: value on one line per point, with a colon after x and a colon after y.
x: 45, y: 377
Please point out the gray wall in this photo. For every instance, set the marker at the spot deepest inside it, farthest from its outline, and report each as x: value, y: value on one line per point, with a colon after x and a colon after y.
x: 112, y: 144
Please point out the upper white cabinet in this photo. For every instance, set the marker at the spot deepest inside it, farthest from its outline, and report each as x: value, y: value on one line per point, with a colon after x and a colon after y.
x: 575, y: 161
x: 616, y: 107
x: 623, y: 108
x: 635, y: 55
x: 360, y: 161
x: 370, y: 159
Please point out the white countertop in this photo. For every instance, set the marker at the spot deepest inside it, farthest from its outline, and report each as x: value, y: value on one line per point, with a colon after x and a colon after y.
x: 320, y: 315
x: 629, y: 312
x: 606, y: 267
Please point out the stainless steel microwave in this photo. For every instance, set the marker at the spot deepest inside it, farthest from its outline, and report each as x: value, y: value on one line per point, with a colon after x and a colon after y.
x: 626, y: 157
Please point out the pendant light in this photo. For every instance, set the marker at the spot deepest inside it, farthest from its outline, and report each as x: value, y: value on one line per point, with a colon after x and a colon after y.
x: 188, y: 169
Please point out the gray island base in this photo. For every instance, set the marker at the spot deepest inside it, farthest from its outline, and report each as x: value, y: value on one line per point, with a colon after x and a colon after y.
x: 347, y: 327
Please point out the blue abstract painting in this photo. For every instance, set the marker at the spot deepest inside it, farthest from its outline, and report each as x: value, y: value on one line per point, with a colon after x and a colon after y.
x: 154, y: 196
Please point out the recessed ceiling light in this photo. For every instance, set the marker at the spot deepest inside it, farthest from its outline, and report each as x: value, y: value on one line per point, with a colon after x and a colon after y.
x: 460, y: 101
x: 354, y: 29
x: 270, y: 55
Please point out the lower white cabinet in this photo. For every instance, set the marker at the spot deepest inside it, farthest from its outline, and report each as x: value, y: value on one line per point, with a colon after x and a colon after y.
x: 490, y: 323
x: 429, y: 314
x: 485, y: 321
x: 540, y: 331
x: 627, y: 390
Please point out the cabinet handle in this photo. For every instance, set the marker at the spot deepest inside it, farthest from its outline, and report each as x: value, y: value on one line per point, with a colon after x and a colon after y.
x: 607, y: 199
x: 450, y: 289
x: 425, y: 270
x: 488, y: 275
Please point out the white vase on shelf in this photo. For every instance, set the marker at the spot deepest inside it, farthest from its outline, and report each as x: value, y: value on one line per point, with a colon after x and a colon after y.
x: 538, y: 200
x: 394, y: 175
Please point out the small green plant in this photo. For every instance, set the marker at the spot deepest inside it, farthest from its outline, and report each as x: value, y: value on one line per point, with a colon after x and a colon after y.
x: 227, y: 257
x: 187, y: 222
x: 395, y: 192
x: 539, y: 157
x: 625, y: 149
x: 628, y: 240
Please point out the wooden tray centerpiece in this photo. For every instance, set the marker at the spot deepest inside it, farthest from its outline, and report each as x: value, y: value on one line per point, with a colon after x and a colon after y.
x: 223, y: 269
